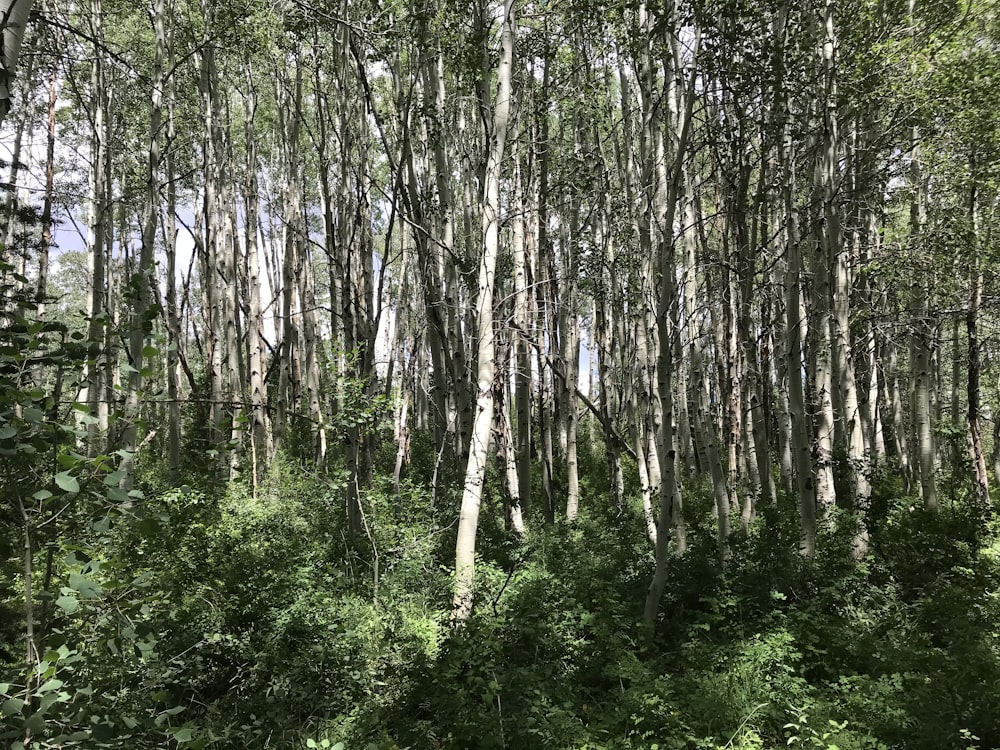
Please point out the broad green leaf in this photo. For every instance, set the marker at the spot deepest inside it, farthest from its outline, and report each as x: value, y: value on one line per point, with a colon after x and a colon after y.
x: 184, y: 734
x: 7, y: 432
x: 67, y: 460
x: 68, y: 604
x: 117, y: 495
x: 114, y: 478
x: 87, y: 588
x: 67, y: 482
x: 49, y: 699
x: 11, y: 706
x: 48, y: 685
x: 102, y: 524
x: 42, y: 495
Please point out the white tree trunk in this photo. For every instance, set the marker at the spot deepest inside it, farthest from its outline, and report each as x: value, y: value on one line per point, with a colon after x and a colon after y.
x: 465, y: 546
x: 14, y: 15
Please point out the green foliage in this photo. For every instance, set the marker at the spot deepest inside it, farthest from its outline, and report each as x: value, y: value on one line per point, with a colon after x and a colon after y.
x: 211, y: 615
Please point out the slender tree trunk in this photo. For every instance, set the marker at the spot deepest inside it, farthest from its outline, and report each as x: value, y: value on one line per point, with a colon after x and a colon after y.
x: 465, y: 547
x: 921, y: 342
x: 144, y: 276
x: 97, y: 230
x: 981, y: 480
x: 570, y: 355
x: 522, y: 373
x: 667, y: 322
x: 261, y: 444
x: 838, y: 257
x: 41, y: 293
x: 8, y: 217
x: 795, y: 325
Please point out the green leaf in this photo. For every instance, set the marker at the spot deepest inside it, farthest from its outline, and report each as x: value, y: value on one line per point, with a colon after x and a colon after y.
x: 114, y: 478
x: 48, y: 685
x: 117, y: 495
x: 67, y: 482
x: 68, y: 604
x: 149, y: 351
x: 67, y: 460
x: 87, y: 588
x: 36, y: 723
x: 11, y: 706
x: 42, y: 495
x: 7, y: 432
x: 184, y: 734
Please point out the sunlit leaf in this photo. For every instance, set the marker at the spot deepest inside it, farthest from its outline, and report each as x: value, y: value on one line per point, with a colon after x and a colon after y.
x: 67, y: 482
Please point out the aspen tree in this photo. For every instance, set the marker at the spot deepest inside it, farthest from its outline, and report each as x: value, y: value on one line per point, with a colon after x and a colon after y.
x: 667, y: 317
x: 144, y: 275
x: 14, y: 14
x: 465, y: 547
x: 838, y: 257
x: 98, y: 231
x: 921, y: 336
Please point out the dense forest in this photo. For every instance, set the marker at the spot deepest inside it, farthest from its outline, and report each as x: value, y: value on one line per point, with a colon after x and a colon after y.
x: 518, y: 374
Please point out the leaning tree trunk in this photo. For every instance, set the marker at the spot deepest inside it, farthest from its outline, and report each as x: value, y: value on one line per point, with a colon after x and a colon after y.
x: 465, y: 547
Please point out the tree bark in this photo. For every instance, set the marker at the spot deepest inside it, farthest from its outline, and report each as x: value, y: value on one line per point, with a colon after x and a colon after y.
x: 465, y: 547
x: 14, y: 16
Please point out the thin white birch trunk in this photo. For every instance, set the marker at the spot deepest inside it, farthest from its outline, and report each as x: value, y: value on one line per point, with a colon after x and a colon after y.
x: 465, y: 546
